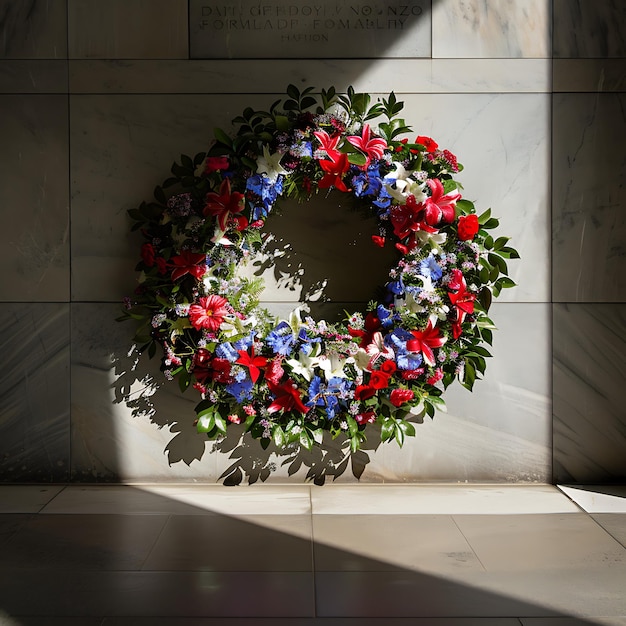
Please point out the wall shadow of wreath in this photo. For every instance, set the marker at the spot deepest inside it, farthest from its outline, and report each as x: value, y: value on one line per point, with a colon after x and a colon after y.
x: 331, y: 387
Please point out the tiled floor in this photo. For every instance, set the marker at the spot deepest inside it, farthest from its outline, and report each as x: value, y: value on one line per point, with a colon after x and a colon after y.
x: 270, y: 555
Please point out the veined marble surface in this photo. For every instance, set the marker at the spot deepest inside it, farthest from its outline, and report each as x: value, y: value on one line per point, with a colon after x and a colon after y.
x: 491, y: 28
x: 33, y: 29
x: 122, y: 146
x: 34, y: 393
x: 584, y: 29
x: 589, y: 372
x: 129, y: 424
x: 588, y: 189
x: 252, y: 76
x: 119, y: 29
x: 34, y: 241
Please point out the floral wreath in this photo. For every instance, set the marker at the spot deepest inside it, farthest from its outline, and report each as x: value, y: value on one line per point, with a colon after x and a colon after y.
x: 289, y: 380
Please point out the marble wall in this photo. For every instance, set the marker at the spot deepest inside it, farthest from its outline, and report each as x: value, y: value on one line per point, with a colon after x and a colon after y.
x: 98, y: 98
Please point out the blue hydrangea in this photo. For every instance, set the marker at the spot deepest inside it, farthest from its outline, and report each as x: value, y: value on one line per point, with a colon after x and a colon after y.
x: 230, y: 351
x: 266, y: 191
x: 405, y: 359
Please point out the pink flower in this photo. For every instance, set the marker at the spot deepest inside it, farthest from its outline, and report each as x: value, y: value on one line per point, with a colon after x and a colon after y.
x: 373, y: 148
x: 435, y: 378
x: 439, y: 206
x: 368, y: 417
x: 208, y: 313
x: 328, y: 144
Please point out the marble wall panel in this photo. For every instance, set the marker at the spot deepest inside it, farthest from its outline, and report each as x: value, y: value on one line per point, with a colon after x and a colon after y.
x: 589, y: 175
x: 39, y: 76
x: 588, y: 379
x: 128, y: 424
x: 494, y: 29
x: 34, y: 393
x: 252, y: 76
x: 128, y: 29
x: 33, y: 29
x: 592, y: 75
x: 34, y: 243
x: 584, y: 29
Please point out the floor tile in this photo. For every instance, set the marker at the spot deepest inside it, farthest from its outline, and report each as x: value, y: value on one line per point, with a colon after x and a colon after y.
x: 26, y: 498
x: 614, y: 524
x: 439, y: 499
x: 556, y: 543
x: 151, y: 594
x: 411, y: 594
x: 219, y: 543
x: 573, y: 621
x: 82, y: 542
x: 183, y: 500
x: 428, y: 543
x: 597, y: 498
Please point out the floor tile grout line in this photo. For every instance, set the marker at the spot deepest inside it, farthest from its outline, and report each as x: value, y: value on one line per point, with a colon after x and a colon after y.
x: 453, y: 517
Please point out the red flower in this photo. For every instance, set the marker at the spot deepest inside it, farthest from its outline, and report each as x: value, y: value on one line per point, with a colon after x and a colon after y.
x: 379, y: 380
x: 148, y: 254
x: 286, y: 397
x: 334, y: 172
x: 224, y: 204
x: 208, y: 313
x: 428, y: 143
x: 372, y: 148
x: 216, y: 164
x: 435, y: 378
x: 221, y: 371
x: 274, y: 371
x: 425, y: 340
x: 372, y: 324
x: 439, y: 206
x: 388, y: 367
x: 188, y: 262
x: 368, y: 417
x: 161, y: 264
x: 363, y: 392
x: 399, y: 396
x: 462, y: 299
x: 468, y: 226
x: 252, y: 362
x: 379, y: 241
x: 328, y: 144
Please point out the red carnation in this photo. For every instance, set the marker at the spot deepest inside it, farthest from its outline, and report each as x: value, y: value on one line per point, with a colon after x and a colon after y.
x: 430, y: 144
x: 399, y: 396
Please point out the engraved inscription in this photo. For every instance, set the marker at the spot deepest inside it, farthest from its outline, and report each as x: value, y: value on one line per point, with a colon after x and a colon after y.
x: 251, y: 29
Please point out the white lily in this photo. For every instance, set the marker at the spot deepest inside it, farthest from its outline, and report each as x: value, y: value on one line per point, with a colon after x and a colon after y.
x: 269, y: 164
x: 233, y: 325
x: 305, y: 364
x: 332, y: 366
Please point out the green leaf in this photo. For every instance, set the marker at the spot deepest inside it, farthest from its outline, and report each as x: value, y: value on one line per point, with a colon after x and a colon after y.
x: 293, y: 92
x: 222, y: 137
x: 305, y: 440
x: 357, y: 158
x: 387, y: 430
x: 206, y: 423
x: 278, y: 436
x: 220, y: 422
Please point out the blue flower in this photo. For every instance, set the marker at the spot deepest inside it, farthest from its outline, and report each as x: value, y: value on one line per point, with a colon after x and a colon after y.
x: 396, y: 287
x: 241, y: 390
x: 322, y: 394
x: 281, y: 339
x: 430, y: 268
x: 405, y: 359
x: 266, y: 191
x: 385, y: 316
x: 230, y: 351
x: 306, y: 342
